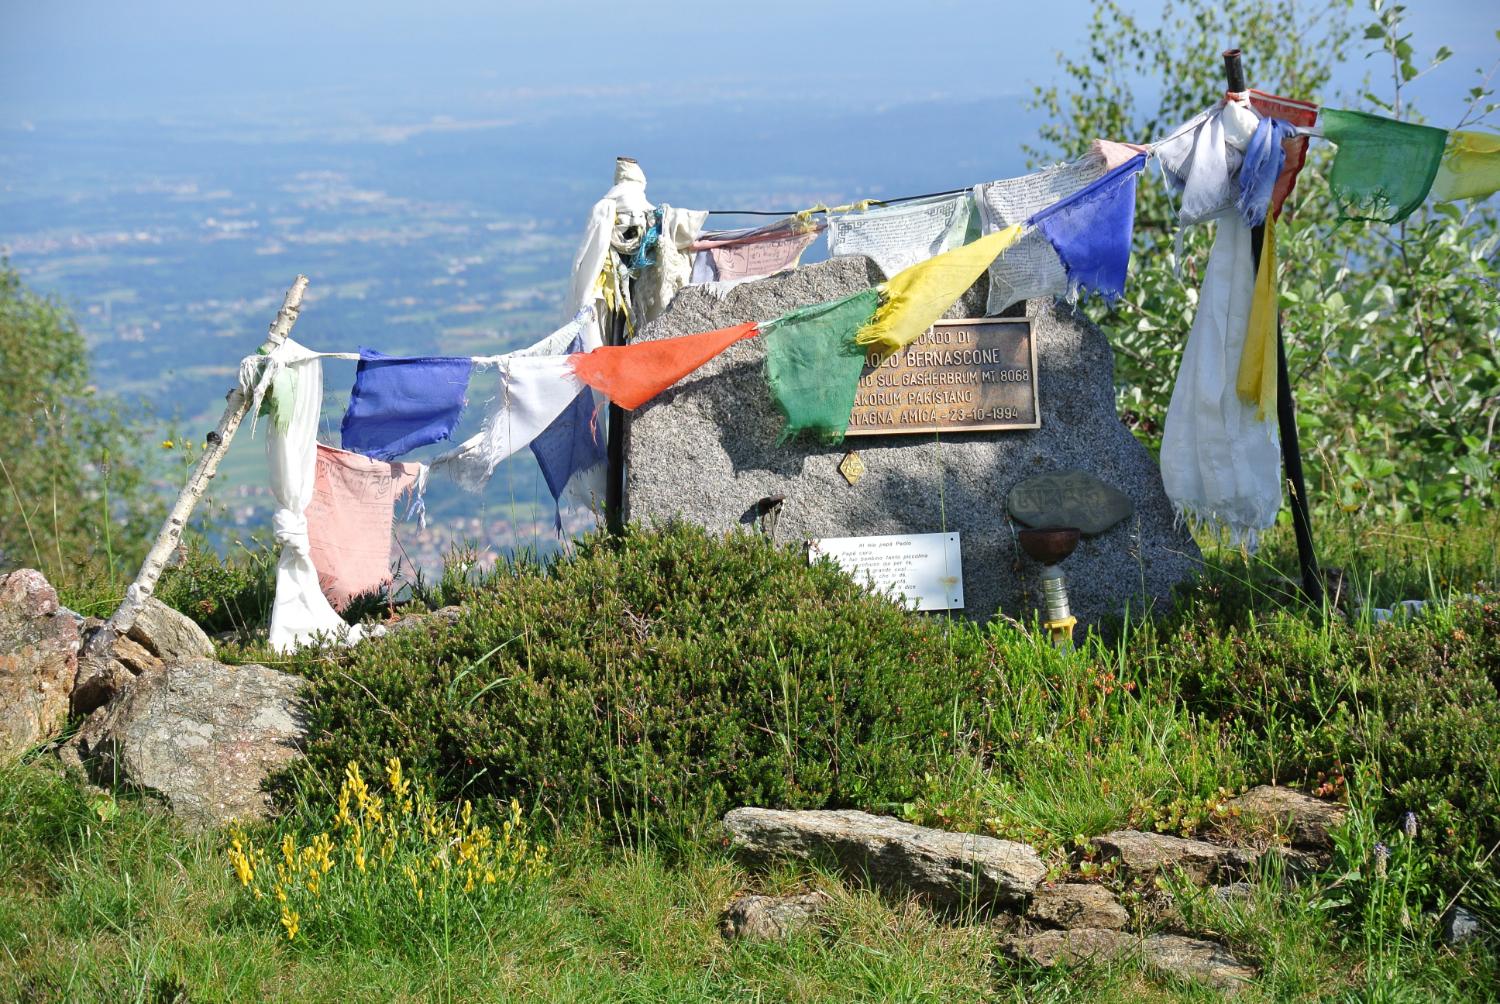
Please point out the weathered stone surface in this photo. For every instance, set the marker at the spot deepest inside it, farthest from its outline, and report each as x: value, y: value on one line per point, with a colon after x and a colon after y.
x: 169, y: 635
x: 159, y: 637
x: 443, y: 616
x: 199, y: 734
x: 1074, y: 904
x: 1459, y: 926
x: 1304, y: 819
x: 772, y: 918
x: 706, y: 450
x: 1148, y: 853
x: 39, y: 640
x: 1069, y: 498
x: 1197, y: 960
x: 949, y: 868
x: 1172, y: 954
x: 1071, y: 947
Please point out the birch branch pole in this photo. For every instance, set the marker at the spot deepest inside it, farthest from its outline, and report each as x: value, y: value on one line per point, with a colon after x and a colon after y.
x: 208, y: 464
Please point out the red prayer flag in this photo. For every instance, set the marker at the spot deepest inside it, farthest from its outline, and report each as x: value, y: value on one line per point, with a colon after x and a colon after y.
x: 1298, y: 113
x: 631, y: 375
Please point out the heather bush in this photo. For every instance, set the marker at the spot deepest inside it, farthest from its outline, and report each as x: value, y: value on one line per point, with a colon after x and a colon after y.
x: 665, y: 677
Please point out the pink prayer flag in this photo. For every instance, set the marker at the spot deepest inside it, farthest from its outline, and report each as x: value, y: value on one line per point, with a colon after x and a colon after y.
x: 1115, y: 154
x: 751, y: 260
x: 349, y: 521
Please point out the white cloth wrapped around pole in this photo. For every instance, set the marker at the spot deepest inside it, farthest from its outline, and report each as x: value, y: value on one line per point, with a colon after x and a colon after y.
x: 1219, y: 462
x: 300, y: 613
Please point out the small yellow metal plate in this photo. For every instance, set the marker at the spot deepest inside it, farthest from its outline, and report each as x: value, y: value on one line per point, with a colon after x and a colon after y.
x: 852, y: 467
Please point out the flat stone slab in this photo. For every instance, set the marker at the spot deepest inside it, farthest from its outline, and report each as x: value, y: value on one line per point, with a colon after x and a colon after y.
x: 1304, y: 819
x: 1069, y: 498
x: 1076, y: 904
x: 1173, y: 955
x: 948, y: 868
x: 1144, y: 854
x: 772, y: 918
x: 707, y: 450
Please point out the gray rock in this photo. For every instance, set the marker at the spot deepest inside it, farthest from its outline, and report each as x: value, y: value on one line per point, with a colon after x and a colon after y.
x: 706, y: 450
x: 1077, y: 905
x: 948, y: 868
x: 1170, y: 954
x: 772, y: 918
x: 159, y: 637
x: 1145, y: 854
x: 1196, y: 960
x: 443, y: 616
x: 1306, y: 820
x: 1069, y: 498
x: 169, y: 635
x: 1071, y: 947
x: 39, y: 642
x: 199, y: 734
x: 1459, y: 926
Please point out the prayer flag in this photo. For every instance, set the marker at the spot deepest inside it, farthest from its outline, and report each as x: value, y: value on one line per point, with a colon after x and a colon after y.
x: 349, y: 521
x: 1261, y: 169
x: 1471, y: 167
x: 899, y: 236
x: 1256, y: 383
x: 1114, y: 154
x: 400, y: 403
x: 574, y: 442
x: 1031, y: 268
x: 1383, y: 168
x: 631, y: 375
x: 1091, y: 230
x: 1297, y: 113
x: 915, y: 297
x: 735, y: 255
x: 813, y: 364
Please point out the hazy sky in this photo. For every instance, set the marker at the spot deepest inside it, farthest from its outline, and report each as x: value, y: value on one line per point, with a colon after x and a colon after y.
x: 133, y: 58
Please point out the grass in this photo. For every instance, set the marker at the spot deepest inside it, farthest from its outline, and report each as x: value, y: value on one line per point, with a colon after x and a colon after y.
x: 106, y: 899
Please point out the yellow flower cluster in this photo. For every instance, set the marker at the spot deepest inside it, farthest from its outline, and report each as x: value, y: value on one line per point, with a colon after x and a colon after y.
x: 400, y: 843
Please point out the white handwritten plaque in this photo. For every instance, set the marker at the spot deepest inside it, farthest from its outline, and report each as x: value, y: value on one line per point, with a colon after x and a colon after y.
x: 922, y: 569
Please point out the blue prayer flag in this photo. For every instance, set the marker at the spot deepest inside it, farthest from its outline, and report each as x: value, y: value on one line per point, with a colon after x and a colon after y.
x: 400, y: 403
x: 574, y: 442
x: 1091, y: 229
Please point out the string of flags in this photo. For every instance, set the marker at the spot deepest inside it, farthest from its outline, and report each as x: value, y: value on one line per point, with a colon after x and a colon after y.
x: 1065, y: 230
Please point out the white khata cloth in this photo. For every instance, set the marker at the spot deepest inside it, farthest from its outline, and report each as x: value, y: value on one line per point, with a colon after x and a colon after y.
x: 1030, y: 268
x: 900, y: 236
x: 1201, y: 159
x: 1219, y: 463
x: 617, y: 220
x: 657, y: 284
x: 536, y: 385
x: 300, y: 613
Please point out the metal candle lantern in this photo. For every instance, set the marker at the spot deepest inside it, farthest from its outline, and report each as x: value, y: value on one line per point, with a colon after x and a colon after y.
x: 1050, y: 545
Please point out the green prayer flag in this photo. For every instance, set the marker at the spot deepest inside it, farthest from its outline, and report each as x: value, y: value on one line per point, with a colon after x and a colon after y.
x: 813, y: 363
x: 1384, y: 168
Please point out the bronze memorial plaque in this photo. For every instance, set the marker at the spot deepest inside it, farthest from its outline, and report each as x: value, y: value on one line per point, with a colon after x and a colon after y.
x: 970, y: 375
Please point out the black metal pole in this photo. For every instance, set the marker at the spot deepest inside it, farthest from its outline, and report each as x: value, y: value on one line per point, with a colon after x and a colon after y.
x: 1286, y: 408
x: 618, y: 440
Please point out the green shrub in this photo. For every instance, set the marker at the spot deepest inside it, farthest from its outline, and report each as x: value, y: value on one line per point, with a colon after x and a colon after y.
x: 221, y: 594
x: 1419, y: 702
x: 668, y: 677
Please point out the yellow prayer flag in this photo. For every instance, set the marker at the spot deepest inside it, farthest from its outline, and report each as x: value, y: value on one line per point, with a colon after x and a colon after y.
x: 1256, y: 383
x: 915, y: 297
x: 1470, y: 167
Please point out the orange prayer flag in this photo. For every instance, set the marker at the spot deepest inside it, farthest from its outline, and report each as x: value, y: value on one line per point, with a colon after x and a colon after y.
x: 631, y: 375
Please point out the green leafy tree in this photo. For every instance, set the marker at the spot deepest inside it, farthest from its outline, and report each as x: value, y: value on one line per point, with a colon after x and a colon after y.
x: 73, y: 498
x: 1391, y: 331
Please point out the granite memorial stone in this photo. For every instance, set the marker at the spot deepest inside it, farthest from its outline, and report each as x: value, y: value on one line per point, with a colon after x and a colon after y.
x: 706, y: 451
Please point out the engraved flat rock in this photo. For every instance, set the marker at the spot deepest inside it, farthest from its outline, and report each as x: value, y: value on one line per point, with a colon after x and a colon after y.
x: 1069, y: 498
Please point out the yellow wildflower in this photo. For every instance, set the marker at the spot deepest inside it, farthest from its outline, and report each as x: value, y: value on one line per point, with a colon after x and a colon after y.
x: 291, y: 921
